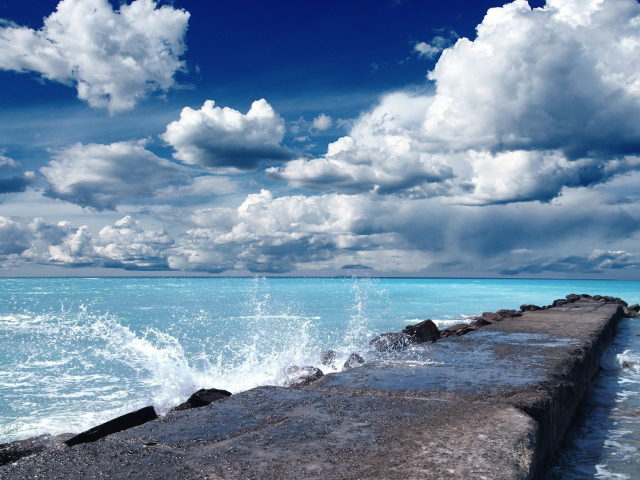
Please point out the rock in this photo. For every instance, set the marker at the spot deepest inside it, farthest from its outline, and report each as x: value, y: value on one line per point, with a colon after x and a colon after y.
x: 630, y: 313
x: 302, y: 376
x: 635, y: 307
x: 468, y: 329
x: 619, y: 301
x: 507, y: 313
x: 391, y: 341
x: 627, y: 364
x: 447, y: 332
x: 585, y: 296
x: 572, y: 298
x: 483, y: 321
x: 529, y: 308
x: 328, y: 358
x: 11, y: 452
x: 559, y: 302
x: 202, y: 398
x: 118, y: 424
x: 353, y: 361
x: 422, y: 332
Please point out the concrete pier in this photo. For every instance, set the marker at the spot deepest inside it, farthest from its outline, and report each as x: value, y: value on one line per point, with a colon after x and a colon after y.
x: 493, y: 404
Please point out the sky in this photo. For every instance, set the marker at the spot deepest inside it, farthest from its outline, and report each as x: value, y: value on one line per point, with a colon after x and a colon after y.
x: 387, y: 137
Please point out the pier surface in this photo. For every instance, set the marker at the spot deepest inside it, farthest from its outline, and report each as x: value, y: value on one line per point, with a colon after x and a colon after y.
x: 493, y: 404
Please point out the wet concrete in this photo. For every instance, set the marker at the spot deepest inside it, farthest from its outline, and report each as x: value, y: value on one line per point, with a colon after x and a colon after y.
x: 493, y: 404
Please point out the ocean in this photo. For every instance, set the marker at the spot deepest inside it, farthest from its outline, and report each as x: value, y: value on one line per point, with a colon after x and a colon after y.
x: 75, y: 352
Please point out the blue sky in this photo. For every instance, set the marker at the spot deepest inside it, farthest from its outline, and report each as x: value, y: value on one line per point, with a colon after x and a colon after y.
x: 392, y: 137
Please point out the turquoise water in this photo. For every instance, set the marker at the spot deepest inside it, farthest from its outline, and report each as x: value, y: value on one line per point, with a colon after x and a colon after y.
x: 76, y: 352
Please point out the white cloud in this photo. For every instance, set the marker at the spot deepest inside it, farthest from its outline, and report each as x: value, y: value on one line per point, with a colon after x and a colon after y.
x: 224, y: 139
x: 113, y: 58
x: 541, y: 100
x: 352, y: 169
x: 7, y: 163
x: 128, y: 245
x: 277, y: 234
x: 426, y: 50
x: 322, y: 122
x: 104, y: 176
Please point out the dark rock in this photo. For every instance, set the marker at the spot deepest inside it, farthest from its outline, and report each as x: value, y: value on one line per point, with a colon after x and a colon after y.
x: 572, y: 298
x: 506, y: 313
x: 585, y: 296
x: 447, y: 332
x: 328, y: 358
x: 516, y: 314
x: 302, y: 376
x: 118, y: 424
x: 425, y: 331
x: 11, y: 452
x: 619, y: 301
x: 353, y: 361
x: 627, y: 364
x: 483, y: 321
x: 597, y: 297
x: 630, y: 313
x: 468, y: 329
x: 529, y: 308
x: 559, y: 302
x: 391, y: 341
x: 635, y: 307
x: 202, y: 398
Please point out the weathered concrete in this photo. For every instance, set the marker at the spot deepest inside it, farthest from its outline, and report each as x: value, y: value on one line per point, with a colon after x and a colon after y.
x: 493, y: 404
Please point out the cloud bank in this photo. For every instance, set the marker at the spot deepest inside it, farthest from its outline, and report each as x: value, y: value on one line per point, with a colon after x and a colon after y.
x: 114, y: 59
x: 541, y: 100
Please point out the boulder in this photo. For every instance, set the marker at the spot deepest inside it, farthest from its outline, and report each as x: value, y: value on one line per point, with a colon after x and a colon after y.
x: 387, y: 342
x: 302, y: 376
x: 328, y: 358
x: 353, y: 361
x: 202, y: 398
x: 629, y: 313
x: 422, y: 332
x: 559, y: 302
x: 529, y: 308
x: 635, y: 307
x: 116, y: 425
x: 572, y: 298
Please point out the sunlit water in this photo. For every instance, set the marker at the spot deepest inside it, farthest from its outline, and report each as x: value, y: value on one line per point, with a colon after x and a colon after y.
x: 77, y: 352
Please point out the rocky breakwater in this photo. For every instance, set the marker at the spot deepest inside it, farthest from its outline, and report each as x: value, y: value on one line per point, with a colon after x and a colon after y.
x: 491, y: 399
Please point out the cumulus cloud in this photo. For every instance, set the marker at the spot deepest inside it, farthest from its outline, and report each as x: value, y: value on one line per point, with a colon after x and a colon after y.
x: 224, y: 139
x: 102, y: 176
x: 15, y: 238
x: 543, y: 99
x: 322, y: 122
x: 13, y: 183
x: 267, y: 234
x: 7, y: 163
x: 350, y: 169
x: 113, y: 58
x: 128, y: 245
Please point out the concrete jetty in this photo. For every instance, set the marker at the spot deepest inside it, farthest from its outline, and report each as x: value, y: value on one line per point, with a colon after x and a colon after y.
x: 492, y: 404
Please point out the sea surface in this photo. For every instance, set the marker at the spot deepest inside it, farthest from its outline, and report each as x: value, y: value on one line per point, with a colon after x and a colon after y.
x: 77, y: 352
